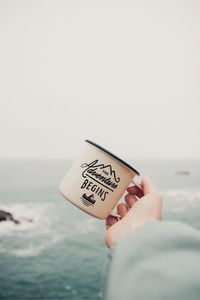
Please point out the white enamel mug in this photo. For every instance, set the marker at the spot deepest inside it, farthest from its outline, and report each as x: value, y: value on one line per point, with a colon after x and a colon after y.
x: 97, y: 180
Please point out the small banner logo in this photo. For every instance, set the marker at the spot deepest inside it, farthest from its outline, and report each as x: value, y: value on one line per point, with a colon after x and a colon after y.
x: 88, y: 200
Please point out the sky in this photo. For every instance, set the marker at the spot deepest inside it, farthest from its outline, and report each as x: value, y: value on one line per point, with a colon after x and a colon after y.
x: 124, y: 74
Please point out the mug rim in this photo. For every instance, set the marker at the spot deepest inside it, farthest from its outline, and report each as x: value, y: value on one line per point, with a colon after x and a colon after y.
x: 113, y: 155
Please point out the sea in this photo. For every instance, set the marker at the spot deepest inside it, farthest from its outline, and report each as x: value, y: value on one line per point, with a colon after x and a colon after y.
x: 57, y: 251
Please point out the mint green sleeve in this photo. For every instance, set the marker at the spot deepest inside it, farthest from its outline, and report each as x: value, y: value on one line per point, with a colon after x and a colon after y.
x: 160, y: 260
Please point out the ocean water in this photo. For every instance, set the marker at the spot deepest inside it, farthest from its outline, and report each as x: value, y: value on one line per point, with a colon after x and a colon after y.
x: 61, y: 254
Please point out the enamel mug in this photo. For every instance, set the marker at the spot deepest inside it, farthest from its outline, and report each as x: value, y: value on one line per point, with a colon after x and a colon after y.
x: 97, y: 180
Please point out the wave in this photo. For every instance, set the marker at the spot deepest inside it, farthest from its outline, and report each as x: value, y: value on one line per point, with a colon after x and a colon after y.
x: 87, y: 226
x: 183, y: 203
x: 29, y: 238
x: 51, y: 224
x: 33, y: 249
x: 189, y: 194
x: 24, y: 212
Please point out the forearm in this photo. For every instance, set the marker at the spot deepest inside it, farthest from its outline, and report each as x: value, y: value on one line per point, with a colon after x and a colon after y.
x: 156, y: 261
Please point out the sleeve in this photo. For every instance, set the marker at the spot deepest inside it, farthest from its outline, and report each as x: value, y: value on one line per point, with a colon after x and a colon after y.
x: 160, y: 260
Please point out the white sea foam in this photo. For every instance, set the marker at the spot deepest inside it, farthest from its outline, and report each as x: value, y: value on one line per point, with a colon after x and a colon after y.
x: 87, y: 226
x: 187, y: 194
x: 181, y: 201
x: 29, y: 216
x: 70, y: 289
x: 34, y: 249
x: 32, y: 238
x: 31, y: 250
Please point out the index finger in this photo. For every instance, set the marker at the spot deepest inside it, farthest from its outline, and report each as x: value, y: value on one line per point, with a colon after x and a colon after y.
x: 135, y: 190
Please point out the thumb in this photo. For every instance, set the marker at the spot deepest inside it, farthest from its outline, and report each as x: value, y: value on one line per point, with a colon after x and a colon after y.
x: 148, y: 187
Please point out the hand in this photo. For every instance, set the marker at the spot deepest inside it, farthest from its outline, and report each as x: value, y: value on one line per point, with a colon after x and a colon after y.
x: 141, y: 205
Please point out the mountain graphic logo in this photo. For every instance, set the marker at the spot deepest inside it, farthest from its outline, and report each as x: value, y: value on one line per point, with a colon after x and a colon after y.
x: 99, y: 171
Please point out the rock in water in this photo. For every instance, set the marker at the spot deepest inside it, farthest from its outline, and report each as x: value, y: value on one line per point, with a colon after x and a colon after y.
x: 183, y: 172
x: 6, y: 216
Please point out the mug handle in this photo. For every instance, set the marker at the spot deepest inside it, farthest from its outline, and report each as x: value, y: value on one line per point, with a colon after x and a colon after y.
x: 116, y: 215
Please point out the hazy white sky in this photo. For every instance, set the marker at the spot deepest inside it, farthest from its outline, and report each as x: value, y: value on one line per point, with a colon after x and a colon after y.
x: 122, y: 73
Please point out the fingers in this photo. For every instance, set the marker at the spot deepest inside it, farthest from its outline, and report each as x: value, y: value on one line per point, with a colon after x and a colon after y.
x: 135, y: 190
x: 146, y: 188
x: 130, y: 200
x: 110, y: 221
x: 122, y: 209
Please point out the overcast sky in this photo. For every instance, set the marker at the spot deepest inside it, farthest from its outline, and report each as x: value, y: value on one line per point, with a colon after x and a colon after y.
x: 125, y: 74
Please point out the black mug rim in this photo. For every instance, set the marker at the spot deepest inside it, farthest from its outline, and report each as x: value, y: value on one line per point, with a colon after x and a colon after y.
x: 113, y: 155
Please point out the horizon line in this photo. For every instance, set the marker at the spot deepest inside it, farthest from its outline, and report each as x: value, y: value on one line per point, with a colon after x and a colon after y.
x: 127, y: 158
